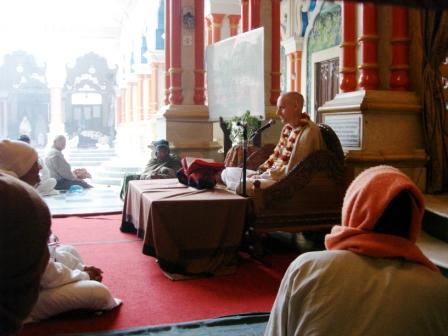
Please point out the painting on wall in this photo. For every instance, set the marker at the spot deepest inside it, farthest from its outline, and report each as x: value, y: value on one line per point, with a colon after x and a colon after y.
x: 325, y: 33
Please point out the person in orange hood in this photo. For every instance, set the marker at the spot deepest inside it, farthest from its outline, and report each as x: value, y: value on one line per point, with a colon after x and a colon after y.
x: 372, y: 279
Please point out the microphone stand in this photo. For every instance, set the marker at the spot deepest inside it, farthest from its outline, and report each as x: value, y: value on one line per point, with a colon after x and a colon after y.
x: 244, y: 193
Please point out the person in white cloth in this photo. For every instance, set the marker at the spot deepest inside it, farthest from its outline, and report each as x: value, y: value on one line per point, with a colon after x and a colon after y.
x: 61, y: 170
x: 67, y: 284
x: 372, y: 279
x: 299, y: 138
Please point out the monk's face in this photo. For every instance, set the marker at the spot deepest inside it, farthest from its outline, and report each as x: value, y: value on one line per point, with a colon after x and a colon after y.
x: 289, y: 110
x: 32, y: 176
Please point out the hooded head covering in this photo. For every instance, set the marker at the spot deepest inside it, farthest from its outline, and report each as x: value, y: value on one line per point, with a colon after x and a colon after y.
x: 366, y: 200
x: 17, y: 157
x: 24, y: 229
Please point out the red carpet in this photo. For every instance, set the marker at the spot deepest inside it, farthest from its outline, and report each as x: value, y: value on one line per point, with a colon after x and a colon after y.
x: 149, y: 298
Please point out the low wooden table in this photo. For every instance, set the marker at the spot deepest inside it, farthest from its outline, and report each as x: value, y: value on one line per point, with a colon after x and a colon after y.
x: 189, y: 231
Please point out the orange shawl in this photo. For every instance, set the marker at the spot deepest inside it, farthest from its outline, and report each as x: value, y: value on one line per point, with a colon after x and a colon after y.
x: 364, y: 203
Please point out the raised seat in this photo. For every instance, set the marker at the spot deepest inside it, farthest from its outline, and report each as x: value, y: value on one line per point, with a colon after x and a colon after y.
x: 309, y: 198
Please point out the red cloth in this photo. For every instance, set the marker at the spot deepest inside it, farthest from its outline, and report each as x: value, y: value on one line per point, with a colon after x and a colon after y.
x: 199, y: 173
x: 364, y: 203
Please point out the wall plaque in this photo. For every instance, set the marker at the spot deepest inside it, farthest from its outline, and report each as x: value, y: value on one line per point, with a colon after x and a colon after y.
x: 347, y: 128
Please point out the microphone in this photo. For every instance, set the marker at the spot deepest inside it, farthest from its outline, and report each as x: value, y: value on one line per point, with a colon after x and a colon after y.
x: 265, y: 126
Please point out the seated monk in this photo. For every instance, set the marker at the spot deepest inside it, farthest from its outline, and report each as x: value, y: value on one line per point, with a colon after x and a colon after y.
x: 299, y: 138
x: 162, y: 165
x: 60, y: 169
x: 372, y: 279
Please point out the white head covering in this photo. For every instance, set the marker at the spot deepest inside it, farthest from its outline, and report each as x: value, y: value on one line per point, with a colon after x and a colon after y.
x: 16, y: 156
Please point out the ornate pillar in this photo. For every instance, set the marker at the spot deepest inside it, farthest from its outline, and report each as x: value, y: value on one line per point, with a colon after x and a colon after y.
x: 208, y: 24
x: 348, y: 45
x: 167, y: 50
x: 254, y: 10
x: 123, y: 104
x: 153, y: 88
x: 199, y: 97
x: 216, y: 20
x: 139, y: 97
x: 245, y: 15
x: 298, y: 70
x: 133, y: 84
x: 118, y: 114
x: 176, y: 53
x: 369, y: 43
x: 234, y: 21
x: 399, y: 70
x: 128, y: 100
x: 292, y: 73
x: 275, y: 51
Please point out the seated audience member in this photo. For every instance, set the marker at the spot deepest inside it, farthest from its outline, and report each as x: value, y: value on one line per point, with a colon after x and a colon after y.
x: 373, y: 279
x: 67, y: 284
x: 25, y: 227
x: 299, y: 138
x: 163, y: 165
x: 60, y: 169
x: 47, y: 183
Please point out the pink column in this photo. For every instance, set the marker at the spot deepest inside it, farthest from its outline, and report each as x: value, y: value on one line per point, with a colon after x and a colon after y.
x: 123, y: 104
x: 369, y: 43
x: 348, y: 45
x: 298, y: 70
x: 234, y: 21
x: 118, y: 115
x: 153, y: 90
x: 275, y: 51
x: 208, y: 24
x: 399, y: 70
x: 176, y: 53
x: 245, y: 15
x: 292, y: 74
x: 199, y: 97
x: 216, y: 20
x: 254, y: 10
x: 167, y: 51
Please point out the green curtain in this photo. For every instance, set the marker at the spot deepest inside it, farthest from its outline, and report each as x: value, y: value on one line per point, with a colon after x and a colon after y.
x: 434, y: 26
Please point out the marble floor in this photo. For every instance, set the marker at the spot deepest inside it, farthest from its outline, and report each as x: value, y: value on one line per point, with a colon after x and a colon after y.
x: 100, y: 199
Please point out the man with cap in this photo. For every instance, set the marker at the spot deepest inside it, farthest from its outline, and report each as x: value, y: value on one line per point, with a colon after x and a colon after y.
x: 60, y: 169
x: 372, y: 279
x: 24, y: 230
x: 162, y: 165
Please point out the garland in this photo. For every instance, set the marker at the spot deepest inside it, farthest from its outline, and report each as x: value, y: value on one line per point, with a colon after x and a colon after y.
x: 283, y: 150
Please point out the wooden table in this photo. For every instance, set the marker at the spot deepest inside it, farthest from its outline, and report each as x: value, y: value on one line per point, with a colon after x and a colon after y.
x: 189, y: 231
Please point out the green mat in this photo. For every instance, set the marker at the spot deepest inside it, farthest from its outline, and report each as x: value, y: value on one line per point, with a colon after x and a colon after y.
x: 252, y: 324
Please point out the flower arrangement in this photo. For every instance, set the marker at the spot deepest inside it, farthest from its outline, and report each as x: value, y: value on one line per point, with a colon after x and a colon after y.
x: 236, y: 132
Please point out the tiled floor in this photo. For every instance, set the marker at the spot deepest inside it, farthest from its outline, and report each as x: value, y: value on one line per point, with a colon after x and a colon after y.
x: 100, y: 199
